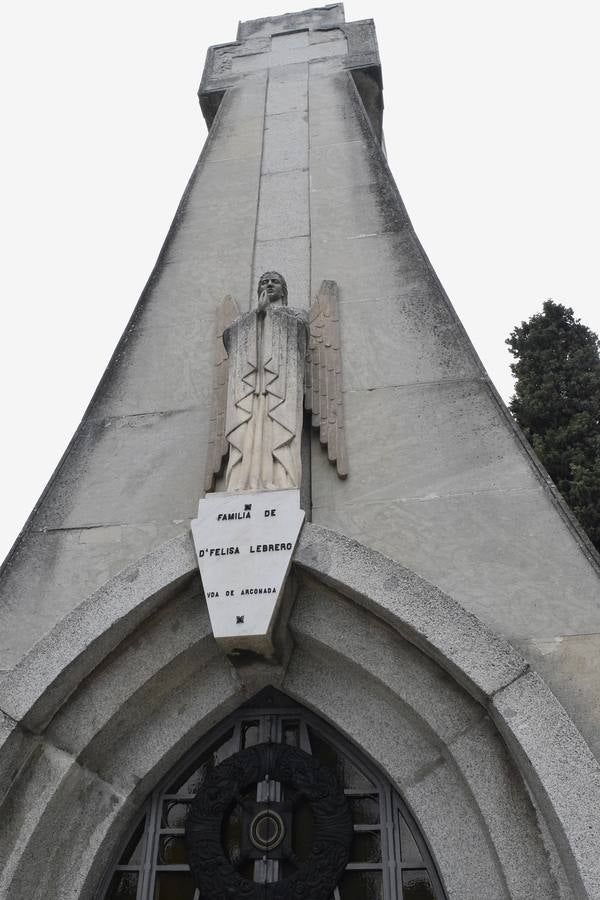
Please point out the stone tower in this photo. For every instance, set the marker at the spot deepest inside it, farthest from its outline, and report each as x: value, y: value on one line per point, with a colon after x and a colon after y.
x: 443, y: 596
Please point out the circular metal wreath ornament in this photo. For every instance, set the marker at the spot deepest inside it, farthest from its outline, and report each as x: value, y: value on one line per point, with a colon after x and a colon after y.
x: 316, y: 877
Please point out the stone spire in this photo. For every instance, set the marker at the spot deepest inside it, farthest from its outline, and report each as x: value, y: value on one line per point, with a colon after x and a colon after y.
x: 293, y: 177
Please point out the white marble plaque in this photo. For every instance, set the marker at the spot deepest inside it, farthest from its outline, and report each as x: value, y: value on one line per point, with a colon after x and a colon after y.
x: 244, y: 544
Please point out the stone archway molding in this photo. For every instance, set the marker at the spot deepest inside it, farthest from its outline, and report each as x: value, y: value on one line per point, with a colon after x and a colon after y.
x: 548, y: 750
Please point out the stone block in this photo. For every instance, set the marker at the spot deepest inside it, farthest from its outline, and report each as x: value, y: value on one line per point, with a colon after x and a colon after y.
x: 58, y: 828
x: 126, y: 677
x: 323, y: 619
x: 569, y: 666
x: 327, y: 89
x: 484, y: 549
x: 320, y: 681
x: 237, y: 133
x: 377, y: 267
x: 331, y: 126
x: 241, y: 141
x: 25, y: 806
x: 462, y: 852
x: 16, y: 747
x: 284, y: 53
x: 190, y: 287
x: 152, y: 732
x: 419, y: 611
x: 326, y: 35
x: 52, y: 572
x: 137, y: 469
x: 288, y: 90
x: 506, y: 810
x: 560, y: 769
x: 220, y: 186
x: 282, y: 42
x: 245, y: 63
x: 136, y: 384
x: 433, y: 344
x: 363, y: 42
x: 366, y: 210
x: 447, y: 438
x: 213, y: 225
x: 320, y: 17
x: 285, y: 143
x: 343, y: 166
x: 283, y: 209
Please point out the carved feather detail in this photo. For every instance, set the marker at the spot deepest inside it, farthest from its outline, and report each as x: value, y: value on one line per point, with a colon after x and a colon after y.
x: 323, y: 394
x: 227, y: 312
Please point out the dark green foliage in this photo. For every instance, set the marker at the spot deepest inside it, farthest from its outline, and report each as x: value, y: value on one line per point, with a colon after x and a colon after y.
x: 557, y: 404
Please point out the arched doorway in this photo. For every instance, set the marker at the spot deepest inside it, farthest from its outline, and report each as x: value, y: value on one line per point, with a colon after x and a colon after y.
x: 388, y: 857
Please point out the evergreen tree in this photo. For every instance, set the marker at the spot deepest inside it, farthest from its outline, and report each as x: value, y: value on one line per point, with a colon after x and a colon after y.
x: 557, y: 404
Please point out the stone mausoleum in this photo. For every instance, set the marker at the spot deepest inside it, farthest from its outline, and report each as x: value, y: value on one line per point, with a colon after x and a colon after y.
x: 407, y: 704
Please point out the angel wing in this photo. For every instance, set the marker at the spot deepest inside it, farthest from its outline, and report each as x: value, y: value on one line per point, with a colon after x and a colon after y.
x: 323, y: 395
x: 227, y: 312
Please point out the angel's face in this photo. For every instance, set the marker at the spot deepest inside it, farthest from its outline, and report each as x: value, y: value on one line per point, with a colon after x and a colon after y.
x: 272, y: 284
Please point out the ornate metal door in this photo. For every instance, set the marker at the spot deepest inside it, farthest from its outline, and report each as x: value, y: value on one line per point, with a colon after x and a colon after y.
x: 275, y: 805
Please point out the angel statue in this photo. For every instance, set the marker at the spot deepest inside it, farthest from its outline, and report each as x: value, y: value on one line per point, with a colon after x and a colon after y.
x: 269, y: 363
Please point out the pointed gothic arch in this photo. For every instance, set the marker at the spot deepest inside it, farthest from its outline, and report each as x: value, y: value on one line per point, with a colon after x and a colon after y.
x: 478, y: 747
x: 389, y: 857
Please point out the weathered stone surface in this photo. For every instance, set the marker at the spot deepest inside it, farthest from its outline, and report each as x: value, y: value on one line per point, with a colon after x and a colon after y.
x: 25, y: 806
x: 129, y: 715
x: 561, y: 771
x: 63, y: 834
x: 340, y: 165
x: 318, y: 680
x: 456, y: 443
x: 92, y: 490
x: 15, y: 748
x: 56, y: 665
x: 341, y: 213
x: 568, y: 665
x: 134, y: 672
x: 377, y: 266
x: 323, y: 618
x: 432, y: 354
x: 286, y: 49
x: 288, y: 90
x: 472, y: 565
x: 285, y: 143
x: 443, y: 486
x: 137, y: 385
x: 436, y: 788
x: 149, y: 736
x: 332, y: 126
x: 283, y: 211
x: 423, y: 614
x: 332, y: 14
x: 502, y: 798
x: 66, y: 565
x: 328, y: 88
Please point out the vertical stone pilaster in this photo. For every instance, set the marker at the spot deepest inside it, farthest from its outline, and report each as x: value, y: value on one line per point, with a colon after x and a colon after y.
x: 282, y: 237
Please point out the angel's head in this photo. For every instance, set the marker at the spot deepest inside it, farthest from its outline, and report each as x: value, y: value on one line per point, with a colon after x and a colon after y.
x: 275, y: 287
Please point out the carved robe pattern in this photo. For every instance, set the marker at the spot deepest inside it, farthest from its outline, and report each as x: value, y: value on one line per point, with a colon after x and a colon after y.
x: 265, y: 360
x: 267, y: 353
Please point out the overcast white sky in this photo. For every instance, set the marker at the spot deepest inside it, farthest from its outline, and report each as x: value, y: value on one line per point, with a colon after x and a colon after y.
x: 491, y: 127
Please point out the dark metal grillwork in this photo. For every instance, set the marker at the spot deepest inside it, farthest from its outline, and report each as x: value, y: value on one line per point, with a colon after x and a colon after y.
x: 388, y: 857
